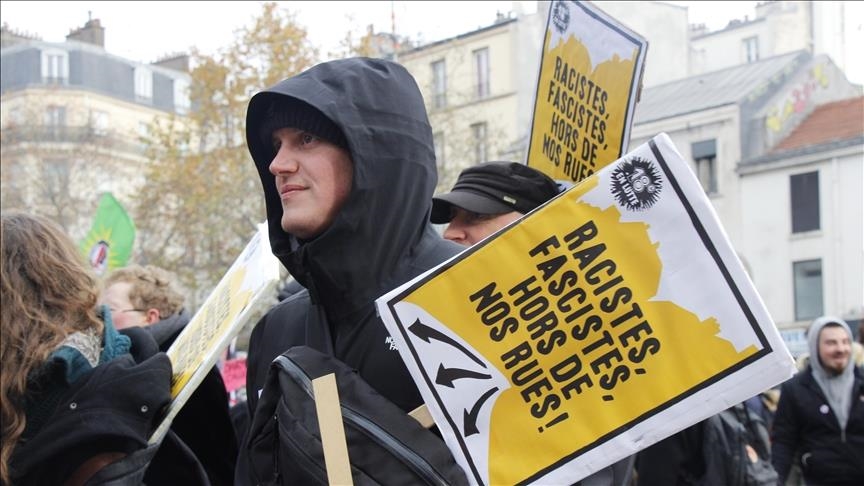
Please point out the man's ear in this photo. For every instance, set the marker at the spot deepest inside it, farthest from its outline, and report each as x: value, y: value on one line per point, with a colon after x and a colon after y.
x: 152, y: 315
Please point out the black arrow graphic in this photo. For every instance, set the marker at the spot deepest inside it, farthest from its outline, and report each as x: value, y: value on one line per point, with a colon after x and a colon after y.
x: 427, y: 333
x: 470, y: 418
x: 446, y: 376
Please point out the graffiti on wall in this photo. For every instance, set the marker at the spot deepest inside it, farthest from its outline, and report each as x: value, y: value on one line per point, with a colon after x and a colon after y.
x: 774, y: 81
x: 798, y: 98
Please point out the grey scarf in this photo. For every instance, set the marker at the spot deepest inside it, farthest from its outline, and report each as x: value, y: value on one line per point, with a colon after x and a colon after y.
x: 837, y: 388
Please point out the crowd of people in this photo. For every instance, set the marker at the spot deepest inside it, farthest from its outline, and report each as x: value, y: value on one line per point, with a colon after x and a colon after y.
x: 346, y: 159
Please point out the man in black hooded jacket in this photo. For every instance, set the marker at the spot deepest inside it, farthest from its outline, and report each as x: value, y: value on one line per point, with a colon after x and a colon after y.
x: 345, y: 155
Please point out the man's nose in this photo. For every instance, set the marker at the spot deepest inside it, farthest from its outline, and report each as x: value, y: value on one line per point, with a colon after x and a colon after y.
x: 455, y: 232
x: 284, y: 162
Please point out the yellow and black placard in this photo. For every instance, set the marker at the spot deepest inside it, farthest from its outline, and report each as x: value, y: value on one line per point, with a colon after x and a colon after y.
x: 574, y: 324
x: 589, y: 77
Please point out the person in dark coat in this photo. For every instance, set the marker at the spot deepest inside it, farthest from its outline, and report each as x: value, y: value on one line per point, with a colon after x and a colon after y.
x: 820, y: 415
x: 346, y: 159
x: 146, y: 296
x: 488, y: 197
x: 78, y: 397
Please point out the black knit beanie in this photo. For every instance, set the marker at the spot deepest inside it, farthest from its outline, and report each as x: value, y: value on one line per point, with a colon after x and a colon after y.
x: 287, y: 112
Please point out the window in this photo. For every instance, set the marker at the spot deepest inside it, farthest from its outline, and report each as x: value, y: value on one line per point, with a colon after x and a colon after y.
x: 751, y: 49
x: 55, y: 116
x: 478, y: 130
x: 143, y: 133
x: 804, y: 194
x: 438, y: 139
x: 439, y: 84
x: 99, y: 122
x: 56, y: 177
x: 16, y: 116
x: 481, y: 73
x: 55, y: 66
x: 705, y: 158
x: 53, y: 119
x: 143, y: 84
x: 181, y: 96
x: 808, y: 289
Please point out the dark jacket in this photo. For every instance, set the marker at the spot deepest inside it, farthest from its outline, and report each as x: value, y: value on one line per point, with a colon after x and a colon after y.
x: 674, y: 460
x: 113, y: 407
x: 380, y: 238
x: 203, y: 425
x: 806, y: 427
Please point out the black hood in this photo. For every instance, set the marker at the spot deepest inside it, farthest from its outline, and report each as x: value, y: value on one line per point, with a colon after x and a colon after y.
x: 380, y: 110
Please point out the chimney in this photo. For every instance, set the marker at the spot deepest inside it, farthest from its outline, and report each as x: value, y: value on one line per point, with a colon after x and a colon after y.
x: 91, y: 33
x: 698, y: 29
x: 10, y: 37
x: 177, y: 62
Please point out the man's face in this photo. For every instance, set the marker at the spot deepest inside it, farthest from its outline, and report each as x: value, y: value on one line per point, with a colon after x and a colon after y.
x: 467, y: 228
x: 313, y: 178
x: 123, y: 313
x: 834, y: 348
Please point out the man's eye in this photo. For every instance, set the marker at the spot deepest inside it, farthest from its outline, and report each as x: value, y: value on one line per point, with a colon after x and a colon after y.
x: 307, y: 138
x: 276, y: 144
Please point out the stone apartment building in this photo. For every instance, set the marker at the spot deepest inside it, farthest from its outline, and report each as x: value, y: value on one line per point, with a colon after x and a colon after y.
x: 72, y: 114
x: 470, y: 87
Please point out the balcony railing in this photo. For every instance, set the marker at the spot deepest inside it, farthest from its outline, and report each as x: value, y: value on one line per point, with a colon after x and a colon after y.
x: 108, y: 139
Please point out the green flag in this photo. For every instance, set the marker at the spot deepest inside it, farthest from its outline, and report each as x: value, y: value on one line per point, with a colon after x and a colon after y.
x: 109, y: 243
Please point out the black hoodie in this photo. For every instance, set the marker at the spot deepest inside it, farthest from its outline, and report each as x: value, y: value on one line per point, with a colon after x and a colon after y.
x: 380, y: 238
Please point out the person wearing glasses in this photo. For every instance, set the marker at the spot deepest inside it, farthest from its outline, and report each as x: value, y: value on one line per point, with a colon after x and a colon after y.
x: 147, y: 296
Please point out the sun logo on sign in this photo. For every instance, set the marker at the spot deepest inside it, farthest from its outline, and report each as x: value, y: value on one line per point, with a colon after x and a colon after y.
x: 636, y: 184
x: 561, y: 16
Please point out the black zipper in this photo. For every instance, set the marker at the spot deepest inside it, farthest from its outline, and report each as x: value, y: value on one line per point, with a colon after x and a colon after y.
x: 387, y: 441
x: 370, y: 428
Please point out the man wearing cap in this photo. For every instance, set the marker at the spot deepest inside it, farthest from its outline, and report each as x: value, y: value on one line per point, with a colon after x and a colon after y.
x: 489, y: 196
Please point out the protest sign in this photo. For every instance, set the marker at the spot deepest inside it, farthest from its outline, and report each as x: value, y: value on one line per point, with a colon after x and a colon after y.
x: 607, y: 319
x: 248, y: 284
x: 590, y: 72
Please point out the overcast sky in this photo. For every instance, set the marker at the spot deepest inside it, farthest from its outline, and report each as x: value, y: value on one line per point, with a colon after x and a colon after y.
x: 146, y: 30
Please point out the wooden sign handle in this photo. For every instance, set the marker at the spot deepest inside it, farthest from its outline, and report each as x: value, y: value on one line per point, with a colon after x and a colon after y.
x: 332, y: 432
x: 422, y: 415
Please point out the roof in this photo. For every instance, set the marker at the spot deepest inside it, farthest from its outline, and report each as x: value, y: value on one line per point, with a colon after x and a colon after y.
x: 70, y: 45
x: 832, y: 122
x: 498, y: 23
x: 733, y: 24
x: 708, y: 90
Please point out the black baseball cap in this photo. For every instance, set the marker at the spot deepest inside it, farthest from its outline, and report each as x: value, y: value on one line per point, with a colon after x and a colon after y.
x: 495, y: 188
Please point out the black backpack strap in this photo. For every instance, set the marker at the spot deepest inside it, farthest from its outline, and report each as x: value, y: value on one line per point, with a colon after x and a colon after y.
x: 386, y: 446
